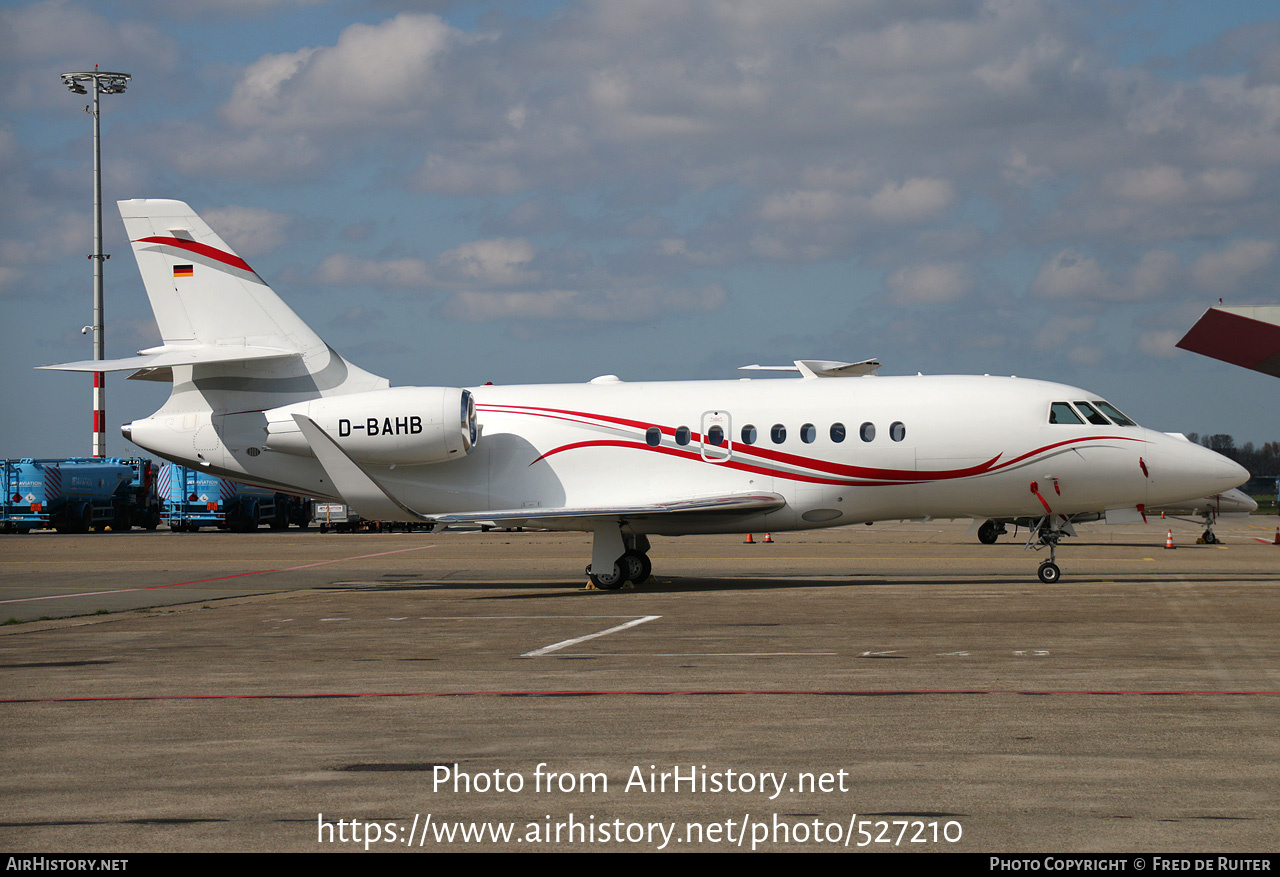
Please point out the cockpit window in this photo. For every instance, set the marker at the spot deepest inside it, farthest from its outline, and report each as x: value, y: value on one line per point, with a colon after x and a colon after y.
x: 1061, y: 412
x: 1092, y: 414
x: 1114, y: 413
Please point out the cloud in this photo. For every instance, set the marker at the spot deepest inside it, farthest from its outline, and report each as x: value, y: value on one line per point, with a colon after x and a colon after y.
x: 1229, y: 269
x: 1071, y: 275
x: 251, y: 231
x: 359, y: 316
x: 8, y: 278
x: 929, y: 284
x: 913, y: 201
x: 627, y: 305
x: 1161, y: 344
x: 40, y: 40
x: 1164, y: 185
x: 342, y: 269
x: 1157, y: 272
x: 494, y: 262
x: 485, y: 263
x: 374, y: 75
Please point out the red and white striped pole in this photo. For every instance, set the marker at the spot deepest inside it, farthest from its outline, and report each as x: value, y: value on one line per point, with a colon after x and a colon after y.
x: 99, y: 413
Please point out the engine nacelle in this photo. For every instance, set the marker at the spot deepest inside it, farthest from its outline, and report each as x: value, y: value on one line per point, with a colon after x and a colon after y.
x: 397, y: 426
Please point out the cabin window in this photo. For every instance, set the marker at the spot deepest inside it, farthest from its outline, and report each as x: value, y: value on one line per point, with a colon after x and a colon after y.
x: 837, y: 432
x: 1092, y: 414
x: 1114, y: 413
x: 898, y: 431
x: 778, y: 433
x: 682, y: 435
x: 748, y: 435
x: 1061, y: 412
x: 653, y: 436
x: 808, y: 433
x: 867, y: 431
x: 715, y: 436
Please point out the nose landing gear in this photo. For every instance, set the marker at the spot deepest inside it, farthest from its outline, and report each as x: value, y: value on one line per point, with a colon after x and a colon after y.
x: 1049, y: 531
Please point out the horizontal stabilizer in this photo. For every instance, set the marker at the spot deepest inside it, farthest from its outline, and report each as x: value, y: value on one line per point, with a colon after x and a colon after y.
x: 169, y: 356
x: 822, y: 368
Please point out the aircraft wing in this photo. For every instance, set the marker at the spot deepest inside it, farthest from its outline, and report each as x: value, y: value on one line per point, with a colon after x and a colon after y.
x: 1243, y: 336
x: 373, y: 500
x: 725, y: 504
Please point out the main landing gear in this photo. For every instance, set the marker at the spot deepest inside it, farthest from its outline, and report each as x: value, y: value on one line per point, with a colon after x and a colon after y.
x: 630, y: 559
x: 990, y: 531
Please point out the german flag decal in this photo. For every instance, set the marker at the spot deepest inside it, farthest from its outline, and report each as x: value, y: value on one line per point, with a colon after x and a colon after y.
x: 184, y: 271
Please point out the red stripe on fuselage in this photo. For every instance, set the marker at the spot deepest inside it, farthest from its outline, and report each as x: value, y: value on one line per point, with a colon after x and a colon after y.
x: 853, y: 475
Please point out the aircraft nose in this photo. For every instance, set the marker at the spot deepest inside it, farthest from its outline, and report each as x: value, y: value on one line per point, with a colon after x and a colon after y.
x: 1188, y: 469
x: 1221, y: 473
x: 1232, y: 472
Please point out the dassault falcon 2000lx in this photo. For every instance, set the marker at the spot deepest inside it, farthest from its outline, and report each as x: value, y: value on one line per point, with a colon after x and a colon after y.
x: 258, y: 397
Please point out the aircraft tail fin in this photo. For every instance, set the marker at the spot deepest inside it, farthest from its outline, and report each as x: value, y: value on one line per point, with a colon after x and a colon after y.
x: 227, y: 335
x: 202, y: 293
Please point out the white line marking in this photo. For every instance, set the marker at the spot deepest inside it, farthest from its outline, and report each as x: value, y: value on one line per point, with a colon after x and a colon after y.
x: 710, y: 654
x: 581, y: 639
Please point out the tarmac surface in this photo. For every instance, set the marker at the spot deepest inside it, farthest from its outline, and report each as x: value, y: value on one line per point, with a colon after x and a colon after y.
x: 896, y: 687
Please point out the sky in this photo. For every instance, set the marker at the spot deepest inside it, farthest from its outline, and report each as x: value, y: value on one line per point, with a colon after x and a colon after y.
x: 543, y: 191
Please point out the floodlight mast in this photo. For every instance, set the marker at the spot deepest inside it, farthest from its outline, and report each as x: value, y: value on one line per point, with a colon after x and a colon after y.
x: 101, y: 82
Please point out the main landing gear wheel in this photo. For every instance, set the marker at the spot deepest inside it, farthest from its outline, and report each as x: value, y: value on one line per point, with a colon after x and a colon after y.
x: 611, y: 580
x: 1049, y: 572
x: 636, y: 566
x: 989, y: 532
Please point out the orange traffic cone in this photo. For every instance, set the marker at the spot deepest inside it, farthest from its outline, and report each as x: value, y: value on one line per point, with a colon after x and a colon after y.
x: 748, y: 540
x: 768, y: 537
x: 1162, y: 516
x: 1168, y: 540
x: 1277, y: 542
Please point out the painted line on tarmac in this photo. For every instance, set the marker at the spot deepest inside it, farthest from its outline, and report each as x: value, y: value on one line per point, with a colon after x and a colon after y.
x: 546, y: 650
x: 238, y: 575
x: 892, y: 692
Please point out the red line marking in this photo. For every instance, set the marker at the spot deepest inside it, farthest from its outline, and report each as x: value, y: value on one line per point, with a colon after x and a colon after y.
x: 638, y: 692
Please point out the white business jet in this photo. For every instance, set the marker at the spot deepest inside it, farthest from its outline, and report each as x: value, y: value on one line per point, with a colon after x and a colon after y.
x: 258, y: 397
